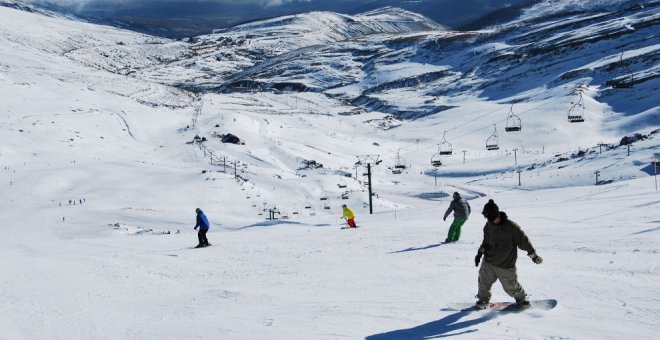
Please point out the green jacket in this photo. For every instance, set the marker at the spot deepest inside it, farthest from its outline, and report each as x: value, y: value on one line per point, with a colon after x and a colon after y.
x: 501, y: 242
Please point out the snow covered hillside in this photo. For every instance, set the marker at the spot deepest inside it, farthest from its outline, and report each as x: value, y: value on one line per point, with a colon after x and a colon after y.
x: 110, y: 139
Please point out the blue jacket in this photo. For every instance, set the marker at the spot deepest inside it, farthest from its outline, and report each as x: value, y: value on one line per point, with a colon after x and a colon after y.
x: 202, y: 221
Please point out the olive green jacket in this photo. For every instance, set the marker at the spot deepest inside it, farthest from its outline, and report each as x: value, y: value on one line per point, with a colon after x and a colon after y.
x: 501, y: 242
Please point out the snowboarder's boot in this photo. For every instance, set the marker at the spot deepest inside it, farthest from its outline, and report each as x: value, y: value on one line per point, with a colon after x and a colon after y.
x: 199, y: 246
x: 447, y: 240
x: 523, y: 304
x: 481, y: 304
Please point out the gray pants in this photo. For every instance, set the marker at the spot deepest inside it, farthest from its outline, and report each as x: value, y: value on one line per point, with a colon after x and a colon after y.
x: 488, y: 274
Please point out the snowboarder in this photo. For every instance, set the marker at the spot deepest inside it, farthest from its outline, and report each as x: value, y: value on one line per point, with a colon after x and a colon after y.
x: 203, y: 225
x: 502, y: 238
x: 349, y: 215
x: 462, y: 211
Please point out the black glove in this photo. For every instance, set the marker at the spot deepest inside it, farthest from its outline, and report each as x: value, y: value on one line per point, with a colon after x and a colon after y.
x: 477, y: 259
x: 195, y: 228
x: 536, y: 259
x: 444, y: 218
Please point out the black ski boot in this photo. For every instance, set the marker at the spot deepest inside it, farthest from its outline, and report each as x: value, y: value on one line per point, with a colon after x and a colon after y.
x: 523, y: 304
x: 481, y: 304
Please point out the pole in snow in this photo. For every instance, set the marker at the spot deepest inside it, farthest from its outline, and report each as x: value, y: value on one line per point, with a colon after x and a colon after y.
x: 371, y: 209
x: 369, y: 160
x: 515, y: 156
x: 655, y: 168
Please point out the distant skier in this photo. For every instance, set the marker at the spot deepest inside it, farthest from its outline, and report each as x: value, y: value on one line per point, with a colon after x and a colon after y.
x: 349, y: 215
x: 462, y: 211
x: 502, y: 238
x: 203, y: 225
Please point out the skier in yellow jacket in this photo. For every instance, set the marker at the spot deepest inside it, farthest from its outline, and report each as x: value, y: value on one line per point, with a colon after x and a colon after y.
x: 349, y: 215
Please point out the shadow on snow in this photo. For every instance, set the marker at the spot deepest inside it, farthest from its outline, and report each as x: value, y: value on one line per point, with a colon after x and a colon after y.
x: 267, y: 224
x: 436, y: 329
x: 414, y: 249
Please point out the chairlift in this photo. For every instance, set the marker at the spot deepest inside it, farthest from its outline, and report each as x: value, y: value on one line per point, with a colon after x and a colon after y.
x: 513, y: 122
x: 342, y: 184
x: 445, y: 147
x: 399, y: 162
x: 625, y: 82
x: 344, y: 196
x: 308, y: 205
x: 323, y: 197
x: 492, y: 141
x: 576, y: 112
x: 624, y: 78
x: 326, y: 206
x: 436, y: 160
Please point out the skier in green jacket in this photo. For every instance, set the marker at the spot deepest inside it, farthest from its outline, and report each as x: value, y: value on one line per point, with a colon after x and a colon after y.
x: 502, y: 238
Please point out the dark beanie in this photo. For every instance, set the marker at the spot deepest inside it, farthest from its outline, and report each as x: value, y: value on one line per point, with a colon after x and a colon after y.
x: 491, y: 210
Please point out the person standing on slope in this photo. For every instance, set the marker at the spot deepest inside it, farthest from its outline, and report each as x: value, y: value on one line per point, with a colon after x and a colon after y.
x: 203, y: 225
x: 349, y: 215
x: 502, y: 238
x: 462, y: 210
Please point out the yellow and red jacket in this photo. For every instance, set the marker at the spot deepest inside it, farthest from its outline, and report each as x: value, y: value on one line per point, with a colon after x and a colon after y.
x: 348, y: 213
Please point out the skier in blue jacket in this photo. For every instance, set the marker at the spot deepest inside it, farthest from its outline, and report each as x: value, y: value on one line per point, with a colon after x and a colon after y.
x: 203, y: 225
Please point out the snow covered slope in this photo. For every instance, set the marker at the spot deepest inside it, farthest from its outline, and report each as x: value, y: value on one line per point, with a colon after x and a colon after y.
x: 105, y: 153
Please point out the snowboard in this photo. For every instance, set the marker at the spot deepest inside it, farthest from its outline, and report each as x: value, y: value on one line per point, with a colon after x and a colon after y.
x: 349, y: 227
x: 201, y: 247
x: 504, y: 306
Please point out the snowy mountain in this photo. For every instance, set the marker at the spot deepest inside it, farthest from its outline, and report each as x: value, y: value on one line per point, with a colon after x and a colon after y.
x: 112, y: 138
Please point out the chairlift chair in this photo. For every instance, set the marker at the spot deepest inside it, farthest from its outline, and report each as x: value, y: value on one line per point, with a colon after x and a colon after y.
x: 513, y: 122
x: 399, y: 164
x: 342, y: 184
x: 492, y: 141
x: 326, y: 206
x: 445, y: 147
x: 344, y: 196
x: 622, y: 81
x: 576, y: 112
x: 308, y: 205
x: 436, y: 160
x: 625, y: 82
